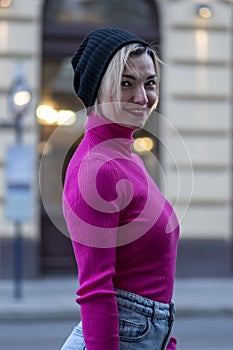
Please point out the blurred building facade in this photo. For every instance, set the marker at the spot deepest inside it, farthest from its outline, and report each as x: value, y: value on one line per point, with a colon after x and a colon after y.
x: 194, y: 131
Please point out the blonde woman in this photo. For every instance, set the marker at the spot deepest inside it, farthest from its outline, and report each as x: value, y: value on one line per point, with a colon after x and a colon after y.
x: 124, y: 232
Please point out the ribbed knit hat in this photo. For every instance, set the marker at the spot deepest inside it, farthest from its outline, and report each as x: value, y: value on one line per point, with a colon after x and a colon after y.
x: 92, y: 57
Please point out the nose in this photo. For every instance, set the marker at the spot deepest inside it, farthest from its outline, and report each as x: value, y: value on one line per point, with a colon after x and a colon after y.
x: 140, y: 96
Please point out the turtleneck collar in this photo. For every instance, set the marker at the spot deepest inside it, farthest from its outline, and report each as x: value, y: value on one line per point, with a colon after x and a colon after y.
x: 105, y: 129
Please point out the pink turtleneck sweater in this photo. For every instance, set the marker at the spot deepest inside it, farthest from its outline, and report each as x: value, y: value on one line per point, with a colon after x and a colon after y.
x: 124, y: 231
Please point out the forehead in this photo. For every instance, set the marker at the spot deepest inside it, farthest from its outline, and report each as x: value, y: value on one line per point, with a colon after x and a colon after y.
x: 140, y: 64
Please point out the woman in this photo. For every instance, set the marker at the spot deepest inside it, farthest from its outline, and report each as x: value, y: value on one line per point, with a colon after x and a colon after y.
x: 123, y: 230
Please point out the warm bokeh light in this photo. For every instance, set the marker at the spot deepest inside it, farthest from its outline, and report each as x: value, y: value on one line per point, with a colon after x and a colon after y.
x: 204, y: 11
x: 5, y: 3
x: 143, y: 144
x: 48, y: 115
x: 66, y: 117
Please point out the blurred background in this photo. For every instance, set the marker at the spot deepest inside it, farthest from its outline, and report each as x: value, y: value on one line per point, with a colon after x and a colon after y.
x: 194, y: 148
x: 194, y: 40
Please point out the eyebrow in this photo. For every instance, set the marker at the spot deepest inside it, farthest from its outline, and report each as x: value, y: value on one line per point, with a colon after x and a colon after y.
x: 133, y: 77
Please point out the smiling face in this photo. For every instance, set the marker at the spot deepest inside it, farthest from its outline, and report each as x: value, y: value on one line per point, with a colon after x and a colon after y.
x: 138, y: 86
x: 129, y: 90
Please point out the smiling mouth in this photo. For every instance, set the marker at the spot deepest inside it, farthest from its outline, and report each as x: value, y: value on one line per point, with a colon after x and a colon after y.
x: 137, y: 112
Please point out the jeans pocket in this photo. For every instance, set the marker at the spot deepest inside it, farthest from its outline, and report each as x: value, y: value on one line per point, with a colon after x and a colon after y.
x: 75, y: 341
x: 132, y: 331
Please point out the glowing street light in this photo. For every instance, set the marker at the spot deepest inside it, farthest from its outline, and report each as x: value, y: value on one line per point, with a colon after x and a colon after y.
x: 204, y: 11
x: 19, y: 172
x: 19, y: 97
x: 22, y: 98
x: 5, y: 3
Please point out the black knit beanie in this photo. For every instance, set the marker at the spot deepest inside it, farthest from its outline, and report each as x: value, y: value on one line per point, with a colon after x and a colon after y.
x: 92, y: 57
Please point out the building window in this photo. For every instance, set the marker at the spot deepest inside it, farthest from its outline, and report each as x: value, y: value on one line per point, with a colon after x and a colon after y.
x: 118, y: 12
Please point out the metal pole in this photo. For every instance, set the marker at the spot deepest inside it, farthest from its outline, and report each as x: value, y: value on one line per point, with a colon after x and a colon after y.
x: 18, y: 243
x: 19, y: 98
x: 19, y: 128
x: 18, y: 261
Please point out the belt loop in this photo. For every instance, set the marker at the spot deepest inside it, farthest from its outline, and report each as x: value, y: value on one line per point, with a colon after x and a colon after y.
x: 172, y: 313
x: 154, y: 315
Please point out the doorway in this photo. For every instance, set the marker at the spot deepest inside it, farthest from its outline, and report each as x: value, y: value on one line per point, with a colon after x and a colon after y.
x: 65, y: 23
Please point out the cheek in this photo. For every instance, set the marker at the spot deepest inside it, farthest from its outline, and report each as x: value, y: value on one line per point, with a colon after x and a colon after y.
x: 152, y: 97
x: 125, y: 95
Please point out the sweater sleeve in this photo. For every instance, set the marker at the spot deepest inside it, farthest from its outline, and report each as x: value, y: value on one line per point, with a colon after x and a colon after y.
x: 97, y: 297
x: 172, y: 344
x: 93, y: 224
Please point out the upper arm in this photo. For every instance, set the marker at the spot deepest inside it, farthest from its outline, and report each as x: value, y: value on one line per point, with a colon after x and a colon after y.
x: 92, y: 202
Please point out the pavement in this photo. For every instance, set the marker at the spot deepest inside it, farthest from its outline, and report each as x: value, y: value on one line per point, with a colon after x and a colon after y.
x: 54, y: 298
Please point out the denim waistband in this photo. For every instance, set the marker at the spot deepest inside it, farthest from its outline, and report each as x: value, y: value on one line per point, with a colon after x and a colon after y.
x: 145, y: 306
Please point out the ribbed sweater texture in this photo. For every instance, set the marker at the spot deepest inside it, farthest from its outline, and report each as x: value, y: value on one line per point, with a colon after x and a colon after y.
x: 123, y: 230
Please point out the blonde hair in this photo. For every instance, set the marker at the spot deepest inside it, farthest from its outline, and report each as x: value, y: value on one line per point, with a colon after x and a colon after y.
x: 111, y: 82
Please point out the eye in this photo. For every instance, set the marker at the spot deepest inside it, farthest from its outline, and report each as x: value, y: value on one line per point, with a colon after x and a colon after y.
x: 151, y: 83
x: 125, y: 83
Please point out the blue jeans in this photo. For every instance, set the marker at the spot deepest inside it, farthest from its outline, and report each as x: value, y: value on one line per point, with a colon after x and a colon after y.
x: 143, y: 324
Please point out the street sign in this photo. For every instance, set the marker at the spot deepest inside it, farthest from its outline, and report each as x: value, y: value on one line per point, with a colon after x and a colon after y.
x: 19, y: 179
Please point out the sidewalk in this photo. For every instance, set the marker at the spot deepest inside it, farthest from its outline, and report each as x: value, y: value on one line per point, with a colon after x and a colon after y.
x: 54, y: 298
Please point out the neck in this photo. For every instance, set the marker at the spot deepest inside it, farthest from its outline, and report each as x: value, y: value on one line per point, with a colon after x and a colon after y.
x: 101, y: 129
x: 108, y: 129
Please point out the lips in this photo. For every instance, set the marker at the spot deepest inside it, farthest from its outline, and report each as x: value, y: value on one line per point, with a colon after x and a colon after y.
x: 137, y: 112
